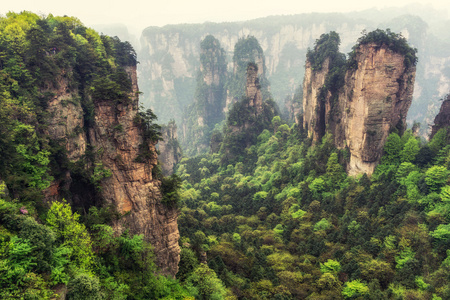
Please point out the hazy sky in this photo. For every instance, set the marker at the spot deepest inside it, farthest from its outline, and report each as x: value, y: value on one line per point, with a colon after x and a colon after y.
x: 138, y: 14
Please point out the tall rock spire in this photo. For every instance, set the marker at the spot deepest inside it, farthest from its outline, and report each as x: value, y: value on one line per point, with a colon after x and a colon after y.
x: 362, y: 100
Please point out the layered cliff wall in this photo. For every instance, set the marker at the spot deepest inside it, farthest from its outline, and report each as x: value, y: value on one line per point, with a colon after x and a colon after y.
x: 169, y: 55
x: 246, y: 120
x: 253, y: 88
x: 114, y: 138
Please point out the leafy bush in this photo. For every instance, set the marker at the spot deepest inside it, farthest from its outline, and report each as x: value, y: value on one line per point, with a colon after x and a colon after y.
x: 71, y: 233
x: 151, y: 134
x: 84, y: 287
x: 354, y: 288
x: 170, y: 190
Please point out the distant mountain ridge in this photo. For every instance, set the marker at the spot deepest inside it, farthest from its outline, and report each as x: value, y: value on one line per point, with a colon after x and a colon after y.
x: 170, y: 55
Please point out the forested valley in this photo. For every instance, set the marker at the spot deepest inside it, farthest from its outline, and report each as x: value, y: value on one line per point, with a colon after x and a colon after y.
x: 265, y: 211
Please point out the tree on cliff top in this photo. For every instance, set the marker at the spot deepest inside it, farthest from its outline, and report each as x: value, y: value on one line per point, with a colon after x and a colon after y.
x: 395, y: 41
x: 247, y: 50
x: 327, y: 46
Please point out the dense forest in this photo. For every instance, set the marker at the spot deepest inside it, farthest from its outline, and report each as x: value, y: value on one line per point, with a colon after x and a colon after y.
x: 267, y: 215
x: 281, y: 219
x: 293, y: 225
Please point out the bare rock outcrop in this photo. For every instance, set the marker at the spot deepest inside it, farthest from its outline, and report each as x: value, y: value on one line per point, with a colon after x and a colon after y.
x: 375, y: 99
x: 169, y: 149
x: 131, y: 187
x: 442, y: 119
x: 114, y: 138
x: 253, y: 88
x: 66, y: 120
x: 313, y: 107
x: 362, y: 100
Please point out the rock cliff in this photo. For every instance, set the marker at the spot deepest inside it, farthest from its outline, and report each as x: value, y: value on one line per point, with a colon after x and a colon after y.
x: 169, y: 55
x: 249, y: 74
x: 169, y: 149
x: 375, y: 99
x: 442, y: 119
x: 372, y: 99
x: 246, y: 119
x: 114, y: 139
x: 313, y: 107
x: 66, y: 120
x: 253, y: 88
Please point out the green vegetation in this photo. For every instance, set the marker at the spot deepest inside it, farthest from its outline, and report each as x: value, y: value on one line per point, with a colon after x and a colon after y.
x: 326, y: 50
x: 326, y: 47
x: 151, y: 134
x: 394, y: 41
x: 277, y: 218
x: 284, y: 221
x: 47, y: 247
x: 244, y: 124
x: 39, y: 55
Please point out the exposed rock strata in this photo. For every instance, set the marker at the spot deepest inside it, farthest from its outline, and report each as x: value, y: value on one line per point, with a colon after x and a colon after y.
x: 66, y: 120
x: 375, y: 98
x: 246, y: 120
x: 131, y: 187
x: 210, y: 98
x: 168, y: 66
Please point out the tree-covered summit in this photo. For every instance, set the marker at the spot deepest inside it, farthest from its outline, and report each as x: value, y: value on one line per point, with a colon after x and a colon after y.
x: 394, y: 41
x: 327, y: 46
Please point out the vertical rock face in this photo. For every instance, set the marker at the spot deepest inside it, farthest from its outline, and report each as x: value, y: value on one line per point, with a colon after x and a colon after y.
x: 168, y: 66
x: 66, y: 120
x: 246, y: 119
x: 212, y: 62
x: 442, y: 119
x: 169, y: 149
x: 313, y: 107
x: 253, y: 88
x: 213, y: 69
x: 359, y: 101
x: 375, y: 98
x: 65, y: 125
x: 131, y: 188
x: 247, y: 52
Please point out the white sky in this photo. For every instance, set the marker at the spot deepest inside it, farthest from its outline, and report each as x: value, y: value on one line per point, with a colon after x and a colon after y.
x: 138, y: 14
